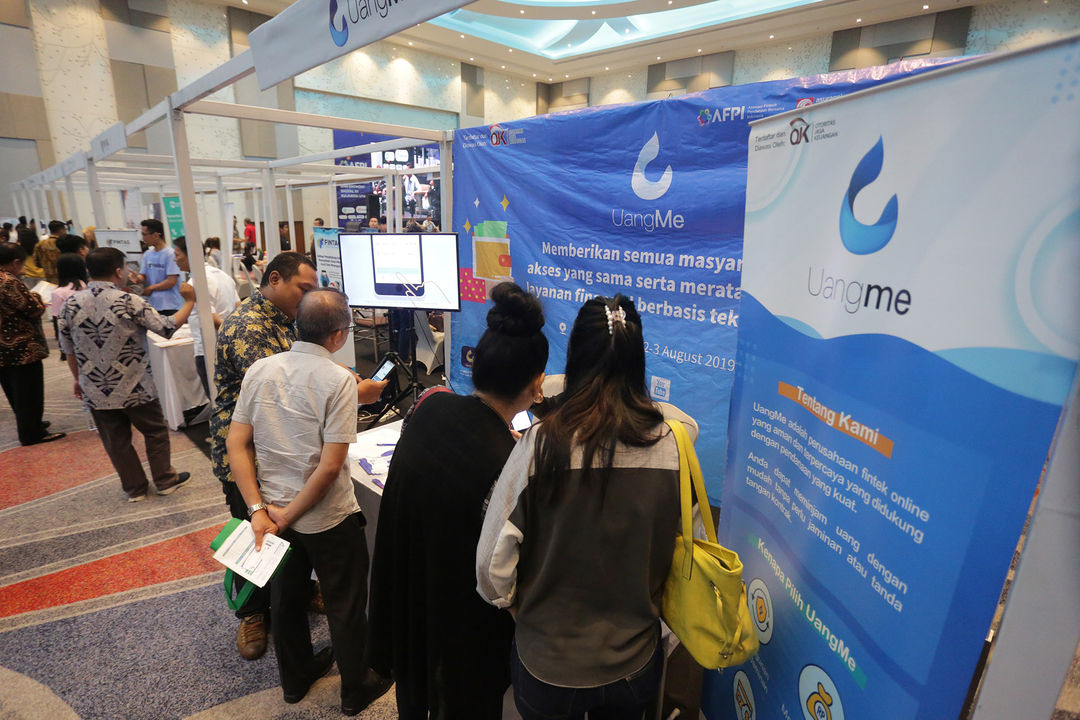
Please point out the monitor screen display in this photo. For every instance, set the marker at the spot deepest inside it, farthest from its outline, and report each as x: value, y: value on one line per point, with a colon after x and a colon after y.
x: 418, y: 271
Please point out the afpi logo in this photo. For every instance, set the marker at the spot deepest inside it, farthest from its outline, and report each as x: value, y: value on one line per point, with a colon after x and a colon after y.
x: 643, y: 187
x: 498, y: 135
x: 860, y: 238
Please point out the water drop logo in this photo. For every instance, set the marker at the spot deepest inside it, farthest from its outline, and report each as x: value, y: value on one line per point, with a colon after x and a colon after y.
x: 340, y: 37
x: 859, y: 238
x: 643, y: 187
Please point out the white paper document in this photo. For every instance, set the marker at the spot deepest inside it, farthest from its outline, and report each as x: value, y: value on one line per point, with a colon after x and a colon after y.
x: 238, y: 554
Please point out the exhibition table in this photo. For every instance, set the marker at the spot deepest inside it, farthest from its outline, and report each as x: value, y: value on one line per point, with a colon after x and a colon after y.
x: 369, y: 460
x: 172, y: 364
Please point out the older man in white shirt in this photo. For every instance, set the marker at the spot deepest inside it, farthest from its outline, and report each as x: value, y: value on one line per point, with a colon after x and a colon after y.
x: 223, y: 300
x: 296, y: 415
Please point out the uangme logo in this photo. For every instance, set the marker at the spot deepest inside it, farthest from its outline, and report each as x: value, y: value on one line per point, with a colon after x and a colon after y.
x: 860, y: 238
x: 344, y: 13
x: 643, y: 187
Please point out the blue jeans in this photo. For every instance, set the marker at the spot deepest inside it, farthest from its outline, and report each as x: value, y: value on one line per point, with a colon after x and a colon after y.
x: 626, y: 699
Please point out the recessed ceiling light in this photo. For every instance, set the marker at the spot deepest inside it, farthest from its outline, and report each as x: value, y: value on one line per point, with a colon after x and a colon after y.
x: 244, y: 1
x: 788, y: 47
x: 534, y: 74
x: 771, y: 37
x: 567, y: 44
x: 410, y: 43
x: 462, y: 37
x: 503, y: 67
x: 471, y: 59
x: 699, y: 49
x: 606, y: 68
x: 549, y: 79
x: 593, y: 12
x: 522, y: 12
x: 566, y: 76
x: 626, y: 30
x: 858, y: 20
x: 510, y: 49
x: 657, y: 57
x: 925, y: 7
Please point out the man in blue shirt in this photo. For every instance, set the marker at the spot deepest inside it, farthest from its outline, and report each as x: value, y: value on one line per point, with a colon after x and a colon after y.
x: 160, y: 275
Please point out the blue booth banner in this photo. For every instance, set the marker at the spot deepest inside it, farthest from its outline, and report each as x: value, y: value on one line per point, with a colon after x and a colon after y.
x: 643, y: 199
x: 909, y: 330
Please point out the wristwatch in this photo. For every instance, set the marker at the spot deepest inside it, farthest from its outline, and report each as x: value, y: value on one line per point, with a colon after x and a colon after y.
x: 252, y: 509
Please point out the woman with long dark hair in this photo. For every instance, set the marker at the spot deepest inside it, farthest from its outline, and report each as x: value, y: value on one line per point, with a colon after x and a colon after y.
x: 447, y: 650
x: 71, y: 277
x: 580, y: 530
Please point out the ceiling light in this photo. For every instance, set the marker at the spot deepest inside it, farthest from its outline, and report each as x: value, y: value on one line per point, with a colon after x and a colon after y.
x: 626, y: 30
x: 699, y: 49
x: 771, y: 37
x: 925, y: 7
x: 503, y: 67
x: 410, y: 43
x: 244, y: 1
x: 462, y: 37
x: 566, y: 76
x: 858, y: 20
x: 522, y: 12
x: 593, y: 12
x: 510, y: 49
x: 657, y: 57
x: 471, y: 59
x: 549, y: 79
x: 534, y: 74
x: 606, y: 68
x: 567, y: 44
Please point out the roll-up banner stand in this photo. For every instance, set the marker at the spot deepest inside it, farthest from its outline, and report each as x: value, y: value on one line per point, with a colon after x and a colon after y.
x: 126, y: 241
x: 328, y: 257
x: 909, y: 330
x: 643, y: 199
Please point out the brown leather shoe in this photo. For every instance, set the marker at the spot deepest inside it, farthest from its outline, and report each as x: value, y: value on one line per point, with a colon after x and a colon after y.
x: 251, y: 637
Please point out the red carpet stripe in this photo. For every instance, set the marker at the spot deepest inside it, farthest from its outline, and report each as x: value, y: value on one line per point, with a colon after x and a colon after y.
x: 37, y: 471
x: 173, y: 559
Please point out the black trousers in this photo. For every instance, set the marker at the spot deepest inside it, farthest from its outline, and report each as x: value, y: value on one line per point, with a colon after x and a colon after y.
x: 200, y: 367
x: 339, y: 557
x: 24, y: 386
x: 259, y: 600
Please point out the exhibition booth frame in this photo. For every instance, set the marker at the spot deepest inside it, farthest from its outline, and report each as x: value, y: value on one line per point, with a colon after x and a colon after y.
x: 107, y: 166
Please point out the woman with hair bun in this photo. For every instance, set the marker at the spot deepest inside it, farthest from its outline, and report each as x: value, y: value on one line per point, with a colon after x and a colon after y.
x: 580, y: 530
x: 446, y: 649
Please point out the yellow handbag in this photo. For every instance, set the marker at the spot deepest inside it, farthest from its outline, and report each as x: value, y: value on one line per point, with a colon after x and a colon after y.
x: 704, y: 596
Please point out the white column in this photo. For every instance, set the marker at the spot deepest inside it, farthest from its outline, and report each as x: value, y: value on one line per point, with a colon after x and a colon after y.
x: 17, y: 202
x: 69, y: 189
x: 256, y: 202
x: 333, y: 202
x: 95, y: 196
x: 273, y: 239
x: 289, y: 216
x: 46, y: 214
x: 59, y: 207
x: 189, y: 211
x: 226, y: 227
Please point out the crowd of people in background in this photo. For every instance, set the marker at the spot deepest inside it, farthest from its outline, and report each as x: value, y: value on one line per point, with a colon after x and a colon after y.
x: 485, y: 569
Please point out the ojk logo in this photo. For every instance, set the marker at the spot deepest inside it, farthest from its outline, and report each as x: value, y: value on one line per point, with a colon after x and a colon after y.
x: 643, y: 187
x: 800, y: 131
x: 498, y: 135
x: 860, y: 238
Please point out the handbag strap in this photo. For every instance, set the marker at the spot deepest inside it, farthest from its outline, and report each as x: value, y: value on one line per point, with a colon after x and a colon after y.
x: 690, y: 477
x: 242, y: 596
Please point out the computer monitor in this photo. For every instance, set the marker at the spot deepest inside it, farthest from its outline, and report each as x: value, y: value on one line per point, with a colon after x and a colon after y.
x: 417, y: 271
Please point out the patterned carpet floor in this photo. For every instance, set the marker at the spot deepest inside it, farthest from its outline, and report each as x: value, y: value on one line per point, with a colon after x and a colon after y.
x: 110, y: 609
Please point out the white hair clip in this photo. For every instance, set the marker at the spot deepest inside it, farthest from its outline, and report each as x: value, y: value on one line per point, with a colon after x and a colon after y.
x: 613, y: 315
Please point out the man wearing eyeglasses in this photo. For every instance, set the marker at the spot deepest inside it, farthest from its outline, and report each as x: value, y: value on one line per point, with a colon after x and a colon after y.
x: 296, y: 415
